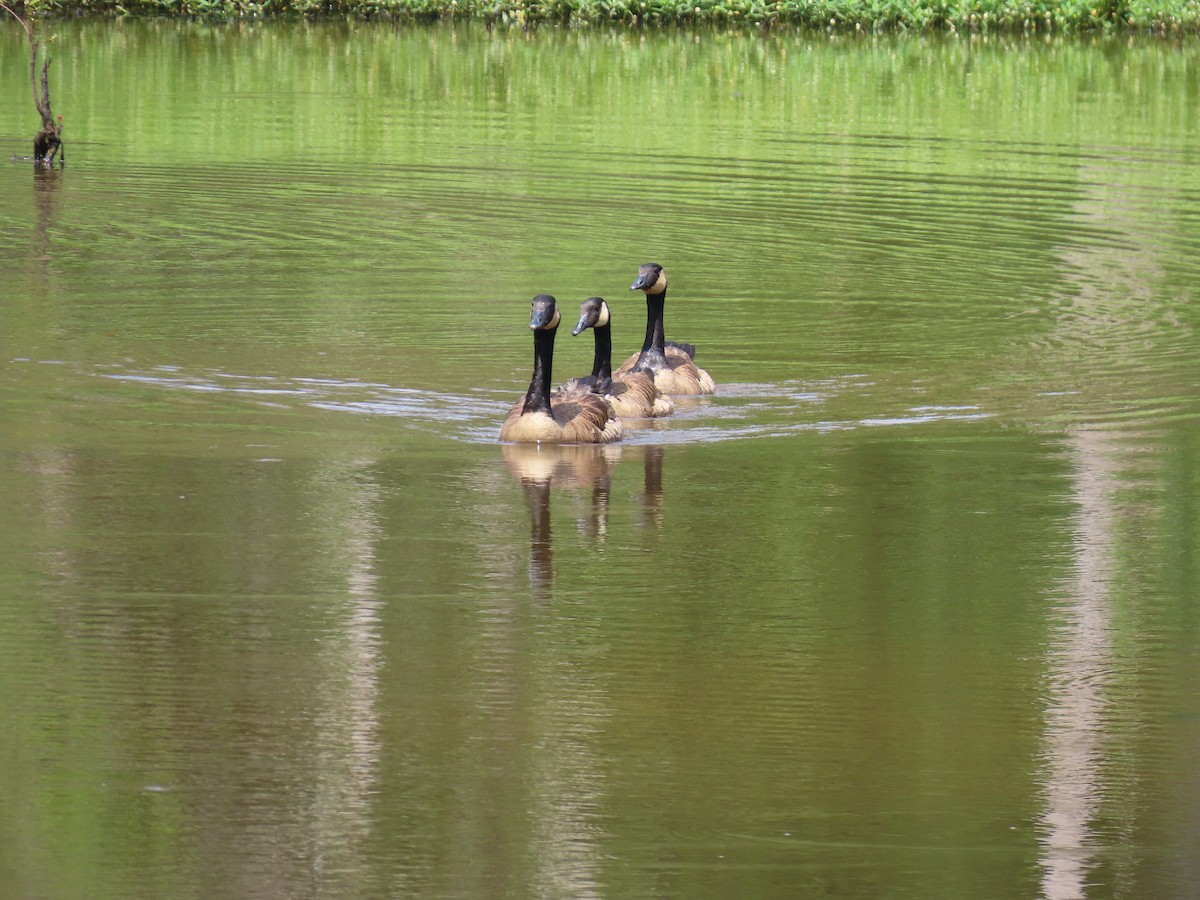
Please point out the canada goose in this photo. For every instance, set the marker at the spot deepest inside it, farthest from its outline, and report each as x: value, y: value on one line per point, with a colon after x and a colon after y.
x: 672, y: 365
x: 574, y: 416
x: 631, y: 394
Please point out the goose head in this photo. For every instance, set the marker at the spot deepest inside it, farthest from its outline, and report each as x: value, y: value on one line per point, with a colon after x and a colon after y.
x: 543, y: 315
x: 651, y: 279
x: 593, y: 313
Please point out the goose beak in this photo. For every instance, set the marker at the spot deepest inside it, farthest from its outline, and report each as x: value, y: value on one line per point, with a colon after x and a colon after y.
x: 649, y: 277
x: 581, y: 325
x: 544, y: 313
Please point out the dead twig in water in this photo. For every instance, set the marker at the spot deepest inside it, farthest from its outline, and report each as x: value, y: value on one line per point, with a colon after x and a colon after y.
x: 47, y: 142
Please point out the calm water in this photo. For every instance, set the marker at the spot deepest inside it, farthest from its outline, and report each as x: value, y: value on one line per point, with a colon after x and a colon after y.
x: 907, y: 609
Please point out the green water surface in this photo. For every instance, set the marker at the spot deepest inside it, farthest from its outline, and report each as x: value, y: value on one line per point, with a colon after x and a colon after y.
x: 908, y: 608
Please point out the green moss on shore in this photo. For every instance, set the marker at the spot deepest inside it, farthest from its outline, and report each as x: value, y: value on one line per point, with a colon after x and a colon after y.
x: 986, y: 16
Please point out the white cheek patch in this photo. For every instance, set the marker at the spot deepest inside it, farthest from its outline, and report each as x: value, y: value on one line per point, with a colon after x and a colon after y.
x: 553, y: 322
x: 603, y: 320
x: 660, y: 285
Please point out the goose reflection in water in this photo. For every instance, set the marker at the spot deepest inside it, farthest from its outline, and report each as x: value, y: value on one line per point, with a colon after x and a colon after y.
x: 652, y: 491
x: 578, y: 469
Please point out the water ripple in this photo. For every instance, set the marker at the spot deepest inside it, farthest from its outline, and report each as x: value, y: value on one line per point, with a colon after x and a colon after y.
x: 737, y: 411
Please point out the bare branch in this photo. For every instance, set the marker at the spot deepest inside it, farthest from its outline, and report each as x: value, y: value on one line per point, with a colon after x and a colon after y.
x: 24, y: 24
x: 48, y: 141
x: 43, y: 105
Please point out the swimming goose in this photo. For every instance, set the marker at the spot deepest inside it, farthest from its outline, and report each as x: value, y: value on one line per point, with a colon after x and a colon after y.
x: 575, y: 416
x: 672, y: 365
x: 631, y: 394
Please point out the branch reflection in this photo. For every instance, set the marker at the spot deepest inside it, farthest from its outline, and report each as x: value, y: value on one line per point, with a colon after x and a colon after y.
x: 46, y: 184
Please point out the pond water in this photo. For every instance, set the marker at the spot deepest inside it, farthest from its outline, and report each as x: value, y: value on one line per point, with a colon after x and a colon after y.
x: 908, y: 608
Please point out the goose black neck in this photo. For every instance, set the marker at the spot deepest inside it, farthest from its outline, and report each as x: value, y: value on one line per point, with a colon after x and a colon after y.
x: 537, y: 398
x: 654, y: 347
x: 602, y: 361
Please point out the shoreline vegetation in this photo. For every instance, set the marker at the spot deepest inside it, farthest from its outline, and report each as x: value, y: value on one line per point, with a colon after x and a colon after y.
x: 1159, y: 17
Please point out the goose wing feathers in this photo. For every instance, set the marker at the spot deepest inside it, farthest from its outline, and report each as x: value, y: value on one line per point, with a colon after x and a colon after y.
x: 585, y: 417
x: 689, y: 349
x: 635, y: 395
x: 679, y: 376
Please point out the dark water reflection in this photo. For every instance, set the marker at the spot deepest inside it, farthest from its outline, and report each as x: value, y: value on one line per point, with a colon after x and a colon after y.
x: 905, y: 609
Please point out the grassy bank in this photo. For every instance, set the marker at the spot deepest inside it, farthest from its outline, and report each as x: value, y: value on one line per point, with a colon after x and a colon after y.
x: 1042, y: 16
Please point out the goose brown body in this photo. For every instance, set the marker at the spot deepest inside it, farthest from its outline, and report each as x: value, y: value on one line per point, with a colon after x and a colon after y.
x: 679, y: 375
x: 635, y: 395
x: 574, y: 416
x: 630, y: 394
x: 672, y: 366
